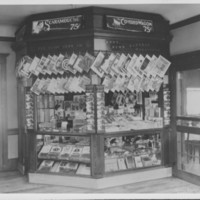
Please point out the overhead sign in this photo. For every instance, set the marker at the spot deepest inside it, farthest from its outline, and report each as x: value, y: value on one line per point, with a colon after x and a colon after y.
x: 129, y: 24
x: 61, y: 24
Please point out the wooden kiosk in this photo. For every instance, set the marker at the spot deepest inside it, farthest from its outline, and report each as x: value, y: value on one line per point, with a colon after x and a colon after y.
x: 92, y: 134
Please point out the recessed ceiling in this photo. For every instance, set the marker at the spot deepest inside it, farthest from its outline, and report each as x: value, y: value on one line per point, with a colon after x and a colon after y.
x: 15, y: 14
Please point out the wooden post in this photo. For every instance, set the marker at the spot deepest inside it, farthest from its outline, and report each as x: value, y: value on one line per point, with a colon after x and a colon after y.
x: 97, y: 155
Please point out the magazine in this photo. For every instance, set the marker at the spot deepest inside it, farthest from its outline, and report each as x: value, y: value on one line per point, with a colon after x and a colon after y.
x: 83, y: 81
x: 55, y: 151
x: 125, y: 66
x: 137, y: 65
x: 45, y: 151
x: 66, y: 151
x: 138, y: 162
x: 162, y: 66
x: 76, y: 152
x: 25, y: 66
x: 121, y: 163
x: 59, y: 64
x: 77, y: 66
x: 145, y: 63
x: 67, y: 167
x: 131, y: 64
x: 52, y: 64
x: 55, y: 167
x: 83, y: 169
x: 47, y: 65
x: 121, y: 64
x: 130, y: 162
x: 85, y: 155
x: 113, y: 68
x: 46, y: 165
x: 87, y: 62
x: 68, y: 66
x: 34, y: 88
x: 96, y: 66
x: 146, y: 160
x: 108, y: 63
x: 111, y: 165
x: 40, y: 65
x: 33, y: 65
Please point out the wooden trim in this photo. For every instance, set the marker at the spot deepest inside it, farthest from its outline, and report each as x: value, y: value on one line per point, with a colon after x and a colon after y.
x: 186, y: 61
x: 3, y: 113
x: 187, y: 176
x: 14, y: 131
x: 188, y: 129
x: 111, y: 181
x: 7, y: 39
x: 188, y: 118
x: 185, y: 22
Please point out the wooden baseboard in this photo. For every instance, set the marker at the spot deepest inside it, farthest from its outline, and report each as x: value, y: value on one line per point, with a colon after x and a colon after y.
x: 112, y: 181
x: 192, y: 178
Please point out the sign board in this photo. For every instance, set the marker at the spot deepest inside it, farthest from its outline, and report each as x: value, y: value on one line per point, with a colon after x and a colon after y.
x: 129, y: 24
x: 70, y: 23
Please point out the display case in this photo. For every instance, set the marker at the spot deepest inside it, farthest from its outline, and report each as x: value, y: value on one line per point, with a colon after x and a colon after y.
x: 94, y: 93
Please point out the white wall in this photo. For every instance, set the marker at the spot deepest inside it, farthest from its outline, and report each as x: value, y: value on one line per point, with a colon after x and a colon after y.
x: 185, y: 39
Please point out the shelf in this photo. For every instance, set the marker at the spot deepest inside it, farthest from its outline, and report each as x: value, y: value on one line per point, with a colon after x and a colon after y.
x: 59, y: 133
x: 125, y: 171
x: 131, y: 132
x: 54, y: 159
x: 63, y: 174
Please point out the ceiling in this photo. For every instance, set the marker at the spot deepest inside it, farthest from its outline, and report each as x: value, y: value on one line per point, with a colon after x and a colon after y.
x: 15, y: 14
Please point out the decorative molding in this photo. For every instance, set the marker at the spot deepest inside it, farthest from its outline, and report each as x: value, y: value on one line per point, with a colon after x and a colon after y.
x: 185, y: 22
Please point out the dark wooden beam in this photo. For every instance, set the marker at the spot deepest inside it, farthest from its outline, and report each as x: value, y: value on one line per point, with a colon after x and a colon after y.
x: 185, y: 22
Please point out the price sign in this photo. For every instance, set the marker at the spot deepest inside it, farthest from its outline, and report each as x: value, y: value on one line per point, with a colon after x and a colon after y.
x: 129, y: 24
x: 61, y: 24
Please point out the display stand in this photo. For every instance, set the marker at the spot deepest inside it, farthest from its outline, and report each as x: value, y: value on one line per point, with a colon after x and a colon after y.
x: 106, y: 137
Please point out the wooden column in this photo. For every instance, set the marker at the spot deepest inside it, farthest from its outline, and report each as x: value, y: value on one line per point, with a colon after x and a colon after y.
x: 97, y: 155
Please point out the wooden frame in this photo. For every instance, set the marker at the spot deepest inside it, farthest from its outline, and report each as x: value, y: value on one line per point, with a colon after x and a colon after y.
x: 182, y: 62
x: 3, y: 113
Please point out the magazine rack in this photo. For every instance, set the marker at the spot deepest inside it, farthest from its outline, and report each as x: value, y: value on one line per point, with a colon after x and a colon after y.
x: 96, y: 34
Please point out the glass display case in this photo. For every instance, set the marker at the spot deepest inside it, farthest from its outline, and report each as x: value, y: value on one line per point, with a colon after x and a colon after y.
x: 93, y: 97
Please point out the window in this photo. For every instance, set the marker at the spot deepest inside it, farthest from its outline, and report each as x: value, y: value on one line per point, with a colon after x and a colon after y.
x: 193, y: 101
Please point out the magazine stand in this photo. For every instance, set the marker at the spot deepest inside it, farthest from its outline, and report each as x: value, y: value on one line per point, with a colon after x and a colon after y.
x: 98, y: 32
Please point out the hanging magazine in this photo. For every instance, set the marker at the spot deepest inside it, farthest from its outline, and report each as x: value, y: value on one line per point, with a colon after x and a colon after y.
x: 162, y: 66
x: 68, y: 65
x: 96, y: 66
x: 77, y: 66
x: 59, y: 64
x: 108, y: 63
x: 33, y: 66
x: 87, y: 62
x: 131, y: 64
x: 137, y: 65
